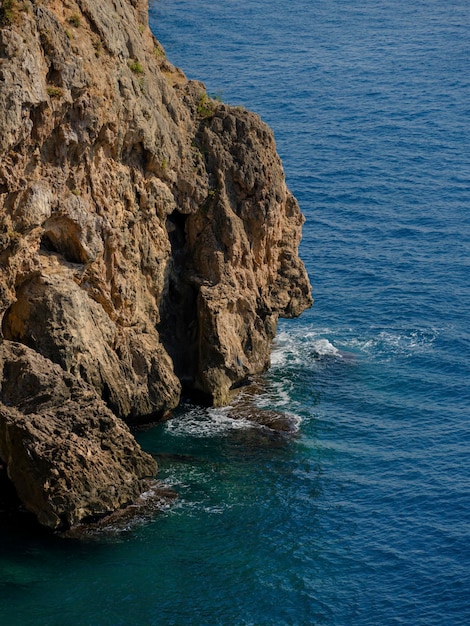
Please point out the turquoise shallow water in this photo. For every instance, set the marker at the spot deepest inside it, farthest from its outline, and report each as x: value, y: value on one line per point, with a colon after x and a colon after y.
x: 364, y: 517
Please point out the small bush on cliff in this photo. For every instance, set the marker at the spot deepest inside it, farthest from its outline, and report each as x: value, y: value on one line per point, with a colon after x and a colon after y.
x: 136, y: 67
x: 74, y: 20
x: 7, y: 12
x: 216, y: 96
x: 55, y: 92
x: 158, y: 52
x: 98, y: 46
x: 10, y: 12
x: 206, y: 106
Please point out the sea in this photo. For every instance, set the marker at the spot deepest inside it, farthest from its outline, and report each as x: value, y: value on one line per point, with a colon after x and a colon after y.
x: 362, y: 517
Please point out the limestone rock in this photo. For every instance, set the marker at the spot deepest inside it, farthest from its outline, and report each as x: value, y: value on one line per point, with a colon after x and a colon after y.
x: 67, y: 455
x: 148, y: 241
x: 130, y: 370
x: 164, y: 208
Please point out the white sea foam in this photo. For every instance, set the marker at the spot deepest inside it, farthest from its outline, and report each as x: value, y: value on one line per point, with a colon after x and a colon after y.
x: 298, y: 348
x: 278, y: 391
x: 387, y: 343
x: 291, y: 350
x: 283, y: 349
x: 323, y: 347
x: 186, y: 507
x: 202, y: 422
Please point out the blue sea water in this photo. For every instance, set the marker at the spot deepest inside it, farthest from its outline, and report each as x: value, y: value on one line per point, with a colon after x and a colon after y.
x: 364, y: 517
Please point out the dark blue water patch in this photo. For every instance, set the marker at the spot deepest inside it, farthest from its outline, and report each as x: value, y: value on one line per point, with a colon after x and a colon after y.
x: 406, y: 459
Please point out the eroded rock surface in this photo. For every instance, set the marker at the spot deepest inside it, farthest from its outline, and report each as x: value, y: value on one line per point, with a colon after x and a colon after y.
x: 67, y: 455
x: 148, y: 241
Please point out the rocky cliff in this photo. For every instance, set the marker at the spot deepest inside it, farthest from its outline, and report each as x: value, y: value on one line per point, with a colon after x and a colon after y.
x: 148, y: 243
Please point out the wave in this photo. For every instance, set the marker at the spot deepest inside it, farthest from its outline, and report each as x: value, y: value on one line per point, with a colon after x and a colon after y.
x: 299, y: 347
x: 391, y: 343
x: 299, y: 357
x: 202, y: 422
x: 308, y: 348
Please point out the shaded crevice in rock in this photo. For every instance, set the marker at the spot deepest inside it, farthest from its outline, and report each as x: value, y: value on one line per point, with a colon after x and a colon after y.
x: 53, y: 316
x: 178, y: 325
x: 53, y: 243
x: 9, y: 500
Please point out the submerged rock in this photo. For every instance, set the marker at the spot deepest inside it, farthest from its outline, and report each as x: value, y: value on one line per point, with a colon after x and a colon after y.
x: 148, y: 241
x: 244, y: 406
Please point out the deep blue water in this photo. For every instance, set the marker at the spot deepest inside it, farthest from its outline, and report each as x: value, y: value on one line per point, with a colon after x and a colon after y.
x: 364, y: 517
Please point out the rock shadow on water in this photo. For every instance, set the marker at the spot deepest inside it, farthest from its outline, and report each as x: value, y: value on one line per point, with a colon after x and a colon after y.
x: 152, y: 502
x: 16, y: 520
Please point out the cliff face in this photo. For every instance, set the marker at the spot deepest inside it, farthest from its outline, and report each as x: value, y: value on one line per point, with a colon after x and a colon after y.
x: 147, y: 237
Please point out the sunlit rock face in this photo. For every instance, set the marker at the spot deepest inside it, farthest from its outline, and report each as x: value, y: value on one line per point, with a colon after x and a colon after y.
x: 69, y: 458
x: 148, y: 241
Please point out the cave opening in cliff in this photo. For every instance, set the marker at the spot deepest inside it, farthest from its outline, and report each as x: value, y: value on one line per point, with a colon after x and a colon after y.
x: 178, y: 326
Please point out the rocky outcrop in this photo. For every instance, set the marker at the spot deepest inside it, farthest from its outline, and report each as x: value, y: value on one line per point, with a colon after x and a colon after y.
x: 241, y: 258
x: 148, y: 241
x: 68, y: 456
